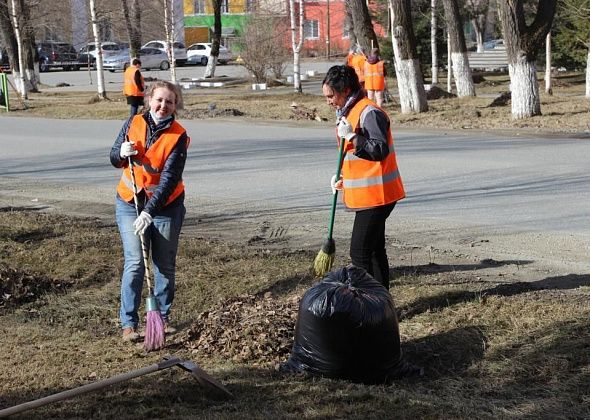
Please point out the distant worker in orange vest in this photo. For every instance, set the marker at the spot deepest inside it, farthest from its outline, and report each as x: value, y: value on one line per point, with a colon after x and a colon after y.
x: 375, y: 77
x: 358, y: 63
x: 134, y: 86
x: 370, y: 179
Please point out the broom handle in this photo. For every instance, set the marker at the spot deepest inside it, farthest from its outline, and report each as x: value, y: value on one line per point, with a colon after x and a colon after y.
x: 94, y: 386
x: 335, y: 195
x: 144, y: 250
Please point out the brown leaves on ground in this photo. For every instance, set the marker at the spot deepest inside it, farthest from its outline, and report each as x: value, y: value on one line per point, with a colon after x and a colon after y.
x: 250, y: 329
x: 18, y: 287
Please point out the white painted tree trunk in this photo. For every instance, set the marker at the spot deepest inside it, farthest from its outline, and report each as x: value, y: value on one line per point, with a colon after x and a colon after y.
x: 296, y: 45
x: 449, y: 66
x: 588, y: 75
x: 211, y: 65
x: 525, y: 89
x: 20, y: 77
x: 478, y: 39
x: 102, y: 93
x: 548, y: 88
x: 462, y: 72
x: 412, y: 96
x: 169, y: 28
x: 433, y: 50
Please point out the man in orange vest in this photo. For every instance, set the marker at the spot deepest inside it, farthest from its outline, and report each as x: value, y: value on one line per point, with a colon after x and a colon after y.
x: 375, y: 77
x: 370, y: 179
x: 133, y: 86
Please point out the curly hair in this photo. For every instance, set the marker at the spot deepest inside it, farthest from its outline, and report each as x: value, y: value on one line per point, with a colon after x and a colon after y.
x: 340, y: 78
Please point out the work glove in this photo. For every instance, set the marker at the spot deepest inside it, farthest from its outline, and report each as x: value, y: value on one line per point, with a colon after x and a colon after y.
x: 127, y: 149
x: 142, y: 222
x: 345, y: 129
x: 335, y: 185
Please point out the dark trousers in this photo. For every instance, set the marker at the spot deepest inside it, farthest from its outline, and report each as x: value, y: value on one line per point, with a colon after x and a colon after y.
x: 135, y: 102
x: 367, y: 244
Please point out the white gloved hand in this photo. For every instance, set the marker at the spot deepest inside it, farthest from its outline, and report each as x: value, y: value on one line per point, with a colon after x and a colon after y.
x: 142, y: 222
x: 335, y: 185
x: 345, y: 129
x: 127, y: 149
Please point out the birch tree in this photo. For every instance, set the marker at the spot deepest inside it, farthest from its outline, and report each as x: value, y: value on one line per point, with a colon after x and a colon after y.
x: 363, y: 25
x: 412, y: 96
x: 212, y: 62
x: 522, y: 46
x: 548, y: 87
x: 169, y: 29
x: 433, y: 47
x: 461, y: 70
x: 296, y: 26
x: 19, y: 78
x: 102, y: 93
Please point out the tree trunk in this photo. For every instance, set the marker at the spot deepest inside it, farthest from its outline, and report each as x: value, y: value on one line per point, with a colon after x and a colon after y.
x: 522, y: 45
x: 478, y: 12
x: 449, y: 66
x: 133, y: 26
x: 478, y: 34
x: 212, y: 62
x: 412, y: 96
x: 349, y: 25
x: 102, y: 93
x: 363, y: 26
x: 20, y: 77
x: 169, y: 29
x: 32, y: 78
x: 461, y: 70
x: 548, y: 88
x: 588, y: 74
x: 433, y: 49
x: 296, y: 44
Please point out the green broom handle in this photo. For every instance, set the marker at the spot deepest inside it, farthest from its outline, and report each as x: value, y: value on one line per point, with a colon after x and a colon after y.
x: 335, y: 195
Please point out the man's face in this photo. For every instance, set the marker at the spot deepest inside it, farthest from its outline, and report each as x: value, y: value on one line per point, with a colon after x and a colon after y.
x: 335, y: 99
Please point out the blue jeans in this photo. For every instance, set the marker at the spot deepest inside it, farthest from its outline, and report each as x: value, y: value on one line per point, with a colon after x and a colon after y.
x: 162, y: 237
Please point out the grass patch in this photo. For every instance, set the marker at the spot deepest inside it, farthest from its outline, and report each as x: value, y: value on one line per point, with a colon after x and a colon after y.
x: 490, y: 349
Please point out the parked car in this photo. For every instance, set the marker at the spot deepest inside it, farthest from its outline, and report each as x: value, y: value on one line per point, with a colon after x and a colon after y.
x: 179, y: 50
x: 200, y: 52
x: 493, y: 43
x: 88, y: 54
x: 54, y: 54
x: 151, y: 58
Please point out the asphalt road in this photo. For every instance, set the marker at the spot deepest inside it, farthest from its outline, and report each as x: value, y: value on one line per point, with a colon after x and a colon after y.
x: 519, y: 184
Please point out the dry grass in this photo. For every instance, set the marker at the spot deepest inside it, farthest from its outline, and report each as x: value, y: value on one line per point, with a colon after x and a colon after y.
x: 490, y: 350
x: 567, y: 111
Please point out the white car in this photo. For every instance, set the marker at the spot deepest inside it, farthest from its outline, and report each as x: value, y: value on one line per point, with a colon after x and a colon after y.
x: 151, y: 58
x: 200, y: 52
x: 179, y: 50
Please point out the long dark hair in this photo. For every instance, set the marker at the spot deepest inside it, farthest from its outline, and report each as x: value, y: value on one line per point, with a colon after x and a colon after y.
x: 340, y: 78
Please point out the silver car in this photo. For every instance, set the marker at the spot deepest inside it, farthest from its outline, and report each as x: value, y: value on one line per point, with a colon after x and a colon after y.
x: 151, y: 58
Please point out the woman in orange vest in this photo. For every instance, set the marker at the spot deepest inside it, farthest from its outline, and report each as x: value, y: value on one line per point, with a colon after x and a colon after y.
x: 375, y: 77
x: 133, y: 86
x: 157, y: 145
x: 370, y: 179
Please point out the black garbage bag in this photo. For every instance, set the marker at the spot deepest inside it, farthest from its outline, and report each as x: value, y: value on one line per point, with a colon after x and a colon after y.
x: 347, y: 328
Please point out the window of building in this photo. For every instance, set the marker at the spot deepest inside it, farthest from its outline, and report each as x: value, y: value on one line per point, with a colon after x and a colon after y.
x: 224, y: 6
x: 199, y: 7
x: 311, y: 29
x: 346, y: 30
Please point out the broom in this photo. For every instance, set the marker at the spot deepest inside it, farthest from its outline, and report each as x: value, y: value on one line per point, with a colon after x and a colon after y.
x: 155, y: 335
x: 325, y: 258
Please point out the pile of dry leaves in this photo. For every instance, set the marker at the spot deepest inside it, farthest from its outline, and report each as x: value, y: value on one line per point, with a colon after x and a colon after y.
x: 258, y: 330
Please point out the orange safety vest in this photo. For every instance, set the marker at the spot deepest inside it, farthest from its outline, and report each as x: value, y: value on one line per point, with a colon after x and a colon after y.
x: 358, y: 63
x: 130, y: 88
x: 374, y: 76
x: 370, y: 183
x: 147, y: 166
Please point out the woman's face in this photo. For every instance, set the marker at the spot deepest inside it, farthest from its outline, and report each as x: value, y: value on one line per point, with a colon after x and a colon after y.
x: 335, y: 99
x: 163, y: 102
